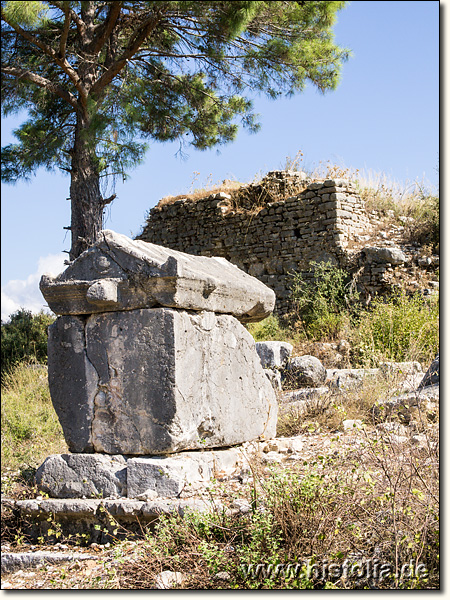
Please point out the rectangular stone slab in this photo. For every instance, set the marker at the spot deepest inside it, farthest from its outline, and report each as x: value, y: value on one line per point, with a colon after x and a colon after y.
x: 101, y: 475
x: 118, y: 273
x: 156, y: 381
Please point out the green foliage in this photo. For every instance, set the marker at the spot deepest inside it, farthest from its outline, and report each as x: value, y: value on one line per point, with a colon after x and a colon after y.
x: 367, y: 499
x: 323, y: 301
x: 398, y: 328
x: 267, y: 329
x: 25, y: 14
x: 24, y: 338
x: 30, y: 427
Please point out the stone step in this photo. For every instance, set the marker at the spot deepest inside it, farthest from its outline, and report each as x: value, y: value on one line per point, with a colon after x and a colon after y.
x: 96, y: 520
x: 14, y: 561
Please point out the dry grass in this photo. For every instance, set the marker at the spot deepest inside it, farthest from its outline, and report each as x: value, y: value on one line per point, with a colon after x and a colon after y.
x: 374, y: 501
x: 372, y: 497
x: 248, y: 197
x: 30, y: 428
x: 365, y: 497
x: 227, y: 187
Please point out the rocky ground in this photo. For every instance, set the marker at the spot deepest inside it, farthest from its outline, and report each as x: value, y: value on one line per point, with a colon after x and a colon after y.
x: 62, y: 565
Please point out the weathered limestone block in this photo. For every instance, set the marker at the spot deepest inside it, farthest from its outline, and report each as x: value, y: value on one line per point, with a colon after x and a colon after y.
x: 431, y: 377
x: 307, y: 371
x: 94, y: 475
x: 273, y: 354
x: 118, y: 273
x: 165, y: 476
x: 83, y: 475
x: 156, y: 381
x: 393, y: 255
x: 348, y: 379
x: 168, y: 475
x: 73, y: 381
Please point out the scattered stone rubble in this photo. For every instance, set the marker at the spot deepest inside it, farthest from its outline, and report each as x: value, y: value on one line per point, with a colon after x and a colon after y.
x: 312, y: 382
x: 147, y: 478
x: 98, y: 495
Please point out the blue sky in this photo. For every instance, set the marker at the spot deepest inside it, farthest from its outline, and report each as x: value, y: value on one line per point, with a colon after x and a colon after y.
x: 383, y: 118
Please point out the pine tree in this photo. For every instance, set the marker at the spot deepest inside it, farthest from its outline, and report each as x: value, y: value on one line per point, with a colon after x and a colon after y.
x: 101, y: 79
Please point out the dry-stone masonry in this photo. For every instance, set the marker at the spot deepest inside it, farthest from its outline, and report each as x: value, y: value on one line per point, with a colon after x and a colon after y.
x: 148, y: 357
x: 272, y: 239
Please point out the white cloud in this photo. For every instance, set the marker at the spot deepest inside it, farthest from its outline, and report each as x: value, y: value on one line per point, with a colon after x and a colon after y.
x: 25, y: 293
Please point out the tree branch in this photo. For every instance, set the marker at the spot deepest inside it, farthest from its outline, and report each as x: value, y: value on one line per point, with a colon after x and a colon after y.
x: 106, y: 201
x: 140, y: 35
x: 107, y: 27
x: 42, y: 82
x: 64, y: 34
x: 48, y: 50
x: 73, y: 15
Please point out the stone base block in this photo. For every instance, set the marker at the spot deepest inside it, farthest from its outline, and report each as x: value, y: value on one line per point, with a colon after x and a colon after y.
x: 144, y: 478
x: 157, y: 381
x: 83, y: 476
x: 163, y: 476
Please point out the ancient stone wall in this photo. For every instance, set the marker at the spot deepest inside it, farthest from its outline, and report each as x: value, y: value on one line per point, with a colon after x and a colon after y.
x: 269, y: 241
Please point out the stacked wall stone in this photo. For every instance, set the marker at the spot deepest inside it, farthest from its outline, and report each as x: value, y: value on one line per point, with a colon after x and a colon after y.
x: 269, y: 242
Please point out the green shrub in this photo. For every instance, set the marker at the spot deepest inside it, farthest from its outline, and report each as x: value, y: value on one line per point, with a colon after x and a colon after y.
x: 322, y: 304
x: 24, y: 338
x: 400, y: 328
x: 268, y: 329
x: 367, y: 499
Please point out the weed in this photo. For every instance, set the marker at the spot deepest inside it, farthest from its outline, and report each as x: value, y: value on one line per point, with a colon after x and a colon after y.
x: 322, y: 303
x: 372, y: 502
x: 398, y: 328
x: 206, y: 189
x: 268, y: 329
x: 424, y: 228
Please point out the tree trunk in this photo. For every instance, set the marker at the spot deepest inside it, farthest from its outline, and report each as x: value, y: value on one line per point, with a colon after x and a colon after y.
x: 86, y: 199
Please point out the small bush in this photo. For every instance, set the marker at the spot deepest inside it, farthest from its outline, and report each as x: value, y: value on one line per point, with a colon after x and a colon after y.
x: 369, y: 503
x: 400, y: 328
x: 322, y: 305
x: 268, y: 329
x: 24, y: 337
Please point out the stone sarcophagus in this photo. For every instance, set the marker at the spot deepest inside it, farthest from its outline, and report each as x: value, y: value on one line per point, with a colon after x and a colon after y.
x: 149, y: 355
